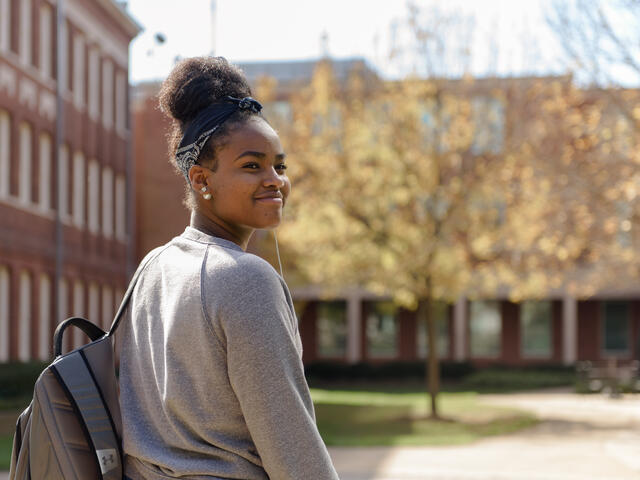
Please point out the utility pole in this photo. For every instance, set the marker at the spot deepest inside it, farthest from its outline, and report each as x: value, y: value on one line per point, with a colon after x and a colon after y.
x: 61, y: 74
x: 214, y: 22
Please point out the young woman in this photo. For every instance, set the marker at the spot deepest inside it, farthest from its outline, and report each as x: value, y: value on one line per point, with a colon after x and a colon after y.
x: 211, y: 377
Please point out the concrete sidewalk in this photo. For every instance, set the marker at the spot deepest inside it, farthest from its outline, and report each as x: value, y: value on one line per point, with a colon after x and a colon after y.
x: 579, y: 438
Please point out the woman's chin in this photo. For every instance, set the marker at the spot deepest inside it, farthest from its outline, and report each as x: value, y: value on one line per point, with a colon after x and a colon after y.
x: 269, y: 224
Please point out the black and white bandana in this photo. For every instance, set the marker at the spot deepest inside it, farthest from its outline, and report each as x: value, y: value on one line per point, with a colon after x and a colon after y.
x: 204, y: 125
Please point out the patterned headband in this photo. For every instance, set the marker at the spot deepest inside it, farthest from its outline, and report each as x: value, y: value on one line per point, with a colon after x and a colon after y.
x: 202, y: 127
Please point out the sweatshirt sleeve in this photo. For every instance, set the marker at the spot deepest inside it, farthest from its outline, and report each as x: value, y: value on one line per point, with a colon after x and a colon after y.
x: 266, y: 372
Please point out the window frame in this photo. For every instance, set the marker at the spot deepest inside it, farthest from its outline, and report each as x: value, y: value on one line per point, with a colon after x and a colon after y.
x: 523, y: 352
x: 319, y: 352
x: 498, y: 354
x: 370, y: 312
x: 603, y: 331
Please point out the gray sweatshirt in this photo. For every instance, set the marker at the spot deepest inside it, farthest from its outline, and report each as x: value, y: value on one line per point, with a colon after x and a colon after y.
x: 211, y: 377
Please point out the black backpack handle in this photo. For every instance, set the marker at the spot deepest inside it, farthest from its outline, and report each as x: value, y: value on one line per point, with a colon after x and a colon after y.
x: 92, y: 331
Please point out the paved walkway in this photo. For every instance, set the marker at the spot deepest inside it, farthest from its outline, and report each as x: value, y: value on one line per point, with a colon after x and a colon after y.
x: 580, y: 438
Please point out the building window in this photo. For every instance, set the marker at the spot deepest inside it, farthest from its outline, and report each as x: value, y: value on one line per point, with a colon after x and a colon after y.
x: 535, y: 329
x: 63, y: 181
x: 441, y: 316
x: 107, y: 94
x: 5, y: 141
x: 44, y: 333
x: 78, y: 71
x: 382, y: 330
x: 615, y: 328
x: 4, y: 314
x: 24, y: 328
x: 5, y: 25
x: 78, y: 311
x: 25, y: 32
x: 332, y: 329
x: 121, y: 103
x: 94, y: 83
x: 119, y: 296
x: 121, y: 212
x: 93, y: 193
x: 46, y: 43
x: 63, y: 72
x: 488, y: 120
x: 25, y: 164
x: 94, y: 303
x: 63, y: 300
x: 107, y: 307
x: 79, y: 180
x: 44, y: 195
x: 485, y: 328
x: 107, y: 202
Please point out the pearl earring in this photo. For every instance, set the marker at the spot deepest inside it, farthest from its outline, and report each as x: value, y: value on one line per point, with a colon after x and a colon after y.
x: 206, y: 196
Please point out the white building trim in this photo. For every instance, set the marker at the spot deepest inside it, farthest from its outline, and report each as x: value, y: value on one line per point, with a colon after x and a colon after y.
x: 79, y: 182
x: 5, y: 25
x: 107, y: 306
x: 44, y: 193
x: 44, y: 330
x: 460, y: 329
x: 354, y: 328
x: 26, y: 28
x: 93, y: 195
x: 569, y: 330
x: 5, y: 143
x: 25, y: 170
x: 79, y: 71
x: 78, y: 311
x: 24, y: 318
x: 46, y: 41
x: 107, y: 202
x: 5, y: 299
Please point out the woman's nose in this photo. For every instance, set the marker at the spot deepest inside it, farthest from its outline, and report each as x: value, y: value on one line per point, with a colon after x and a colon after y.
x: 273, y: 179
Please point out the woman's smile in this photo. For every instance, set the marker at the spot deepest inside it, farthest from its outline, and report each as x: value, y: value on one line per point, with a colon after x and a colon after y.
x: 271, y: 198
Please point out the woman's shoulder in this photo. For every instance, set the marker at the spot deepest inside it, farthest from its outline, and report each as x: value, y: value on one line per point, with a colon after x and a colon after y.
x: 240, y: 269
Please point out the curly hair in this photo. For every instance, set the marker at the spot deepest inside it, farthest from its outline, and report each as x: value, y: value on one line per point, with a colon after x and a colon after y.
x: 194, y: 84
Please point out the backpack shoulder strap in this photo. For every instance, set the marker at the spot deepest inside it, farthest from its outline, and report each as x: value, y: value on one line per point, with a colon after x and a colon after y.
x: 127, y: 296
x: 76, y: 379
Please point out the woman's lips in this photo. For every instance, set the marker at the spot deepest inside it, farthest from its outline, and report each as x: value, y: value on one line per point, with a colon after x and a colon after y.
x: 272, y: 198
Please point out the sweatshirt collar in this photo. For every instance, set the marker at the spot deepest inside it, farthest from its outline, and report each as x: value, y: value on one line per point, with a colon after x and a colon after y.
x: 196, y: 235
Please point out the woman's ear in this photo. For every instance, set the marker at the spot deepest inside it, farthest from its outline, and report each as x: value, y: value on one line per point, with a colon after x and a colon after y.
x: 198, y: 178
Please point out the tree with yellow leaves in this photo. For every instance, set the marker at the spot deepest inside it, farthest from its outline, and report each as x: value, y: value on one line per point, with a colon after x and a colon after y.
x: 425, y: 189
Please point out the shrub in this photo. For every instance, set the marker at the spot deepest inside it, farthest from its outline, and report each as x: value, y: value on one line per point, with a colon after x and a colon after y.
x: 384, y: 371
x: 17, y: 379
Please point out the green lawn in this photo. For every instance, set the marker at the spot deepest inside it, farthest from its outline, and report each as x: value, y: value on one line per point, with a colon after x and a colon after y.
x: 365, y: 418
x: 390, y: 415
x: 6, y: 441
x: 7, y: 428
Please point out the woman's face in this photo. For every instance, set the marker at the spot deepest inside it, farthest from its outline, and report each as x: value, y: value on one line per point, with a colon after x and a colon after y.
x: 249, y: 186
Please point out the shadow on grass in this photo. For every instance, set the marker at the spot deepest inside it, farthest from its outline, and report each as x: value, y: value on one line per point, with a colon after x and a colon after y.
x: 369, y: 425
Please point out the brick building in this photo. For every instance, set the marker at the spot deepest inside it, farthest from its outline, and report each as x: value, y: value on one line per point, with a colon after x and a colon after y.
x: 358, y: 326
x: 64, y: 167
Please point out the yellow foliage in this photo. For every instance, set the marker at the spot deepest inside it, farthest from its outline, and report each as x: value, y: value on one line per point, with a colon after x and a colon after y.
x: 388, y: 192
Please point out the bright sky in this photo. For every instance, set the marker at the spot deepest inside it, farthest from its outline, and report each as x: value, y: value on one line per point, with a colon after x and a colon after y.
x: 509, y: 36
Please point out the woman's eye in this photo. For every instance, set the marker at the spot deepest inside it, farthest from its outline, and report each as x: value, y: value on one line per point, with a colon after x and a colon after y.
x: 251, y: 166
x: 281, y: 168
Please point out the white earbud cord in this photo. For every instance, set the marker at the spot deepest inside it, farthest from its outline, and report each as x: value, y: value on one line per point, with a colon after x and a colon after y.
x: 275, y: 237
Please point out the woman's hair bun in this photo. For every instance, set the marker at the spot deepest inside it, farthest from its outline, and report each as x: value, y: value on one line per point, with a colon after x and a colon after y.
x: 195, y: 83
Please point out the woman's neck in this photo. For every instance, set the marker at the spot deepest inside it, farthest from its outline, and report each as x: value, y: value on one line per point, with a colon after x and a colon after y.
x: 239, y: 236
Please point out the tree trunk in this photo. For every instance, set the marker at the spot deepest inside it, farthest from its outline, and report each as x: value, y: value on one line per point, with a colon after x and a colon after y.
x: 432, y: 369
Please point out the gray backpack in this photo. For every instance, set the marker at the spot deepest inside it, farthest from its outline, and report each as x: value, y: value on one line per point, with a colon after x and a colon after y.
x: 72, y: 429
